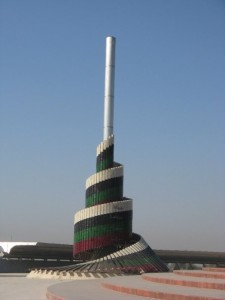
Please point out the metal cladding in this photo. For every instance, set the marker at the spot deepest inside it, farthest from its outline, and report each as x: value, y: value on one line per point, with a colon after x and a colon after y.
x: 103, y: 237
x: 107, y: 219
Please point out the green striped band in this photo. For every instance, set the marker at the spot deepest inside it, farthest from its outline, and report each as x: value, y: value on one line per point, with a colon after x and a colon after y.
x: 101, y: 230
x: 108, y: 195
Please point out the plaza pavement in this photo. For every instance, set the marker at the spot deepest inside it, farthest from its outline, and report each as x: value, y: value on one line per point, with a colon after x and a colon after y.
x: 206, y: 284
x: 19, y: 287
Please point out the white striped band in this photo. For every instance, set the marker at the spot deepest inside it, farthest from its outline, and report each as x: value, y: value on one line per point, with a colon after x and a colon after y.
x: 102, y: 209
x: 104, y: 175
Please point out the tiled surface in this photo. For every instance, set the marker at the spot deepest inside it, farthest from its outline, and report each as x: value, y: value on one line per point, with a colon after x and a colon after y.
x: 86, y: 290
x: 137, y: 287
x: 204, y: 274
x: 14, y: 287
x: 162, y: 291
x: 190, y: 281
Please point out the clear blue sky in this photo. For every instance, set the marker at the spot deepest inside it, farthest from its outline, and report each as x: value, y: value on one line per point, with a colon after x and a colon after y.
x: 169, y: 116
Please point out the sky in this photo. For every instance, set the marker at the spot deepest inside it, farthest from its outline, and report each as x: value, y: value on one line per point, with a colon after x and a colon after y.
x: 169, y: 118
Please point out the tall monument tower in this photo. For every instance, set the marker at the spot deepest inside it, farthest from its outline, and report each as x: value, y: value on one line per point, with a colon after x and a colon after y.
x: 103, y: 237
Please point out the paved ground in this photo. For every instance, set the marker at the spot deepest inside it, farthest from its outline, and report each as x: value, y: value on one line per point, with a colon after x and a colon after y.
x: 136, y: 284
x: 88, y: 290
x: 18, y: 287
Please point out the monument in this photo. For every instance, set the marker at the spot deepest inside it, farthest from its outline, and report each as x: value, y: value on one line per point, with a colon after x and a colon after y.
x: 104, y: 243
x: 103, y: 237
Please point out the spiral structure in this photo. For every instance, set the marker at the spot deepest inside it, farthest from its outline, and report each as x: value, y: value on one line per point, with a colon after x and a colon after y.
x: 103, y: 236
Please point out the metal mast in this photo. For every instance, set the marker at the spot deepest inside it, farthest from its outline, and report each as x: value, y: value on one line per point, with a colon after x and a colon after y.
x: 109, y: 87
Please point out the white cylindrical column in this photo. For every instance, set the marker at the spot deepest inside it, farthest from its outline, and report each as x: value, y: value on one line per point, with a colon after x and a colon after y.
x: 109, y: 87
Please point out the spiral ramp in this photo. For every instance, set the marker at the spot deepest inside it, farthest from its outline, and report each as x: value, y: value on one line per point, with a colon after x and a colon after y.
x: 103, y: 237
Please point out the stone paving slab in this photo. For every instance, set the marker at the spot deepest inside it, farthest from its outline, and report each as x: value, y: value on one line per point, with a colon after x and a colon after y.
x: 173, y: 278
x: 87, y: 290
x: 160, y: 291
x: 204, y: 274
x: 222, y: 270
x: 131, y: 285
